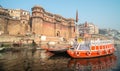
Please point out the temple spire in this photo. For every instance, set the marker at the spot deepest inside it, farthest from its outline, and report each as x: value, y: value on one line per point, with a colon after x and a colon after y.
x: 76, y: 16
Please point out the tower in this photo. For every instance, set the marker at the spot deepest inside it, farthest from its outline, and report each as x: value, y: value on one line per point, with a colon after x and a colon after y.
x: 72, y: 30
x: 37, y: 19
x: 24, y: 19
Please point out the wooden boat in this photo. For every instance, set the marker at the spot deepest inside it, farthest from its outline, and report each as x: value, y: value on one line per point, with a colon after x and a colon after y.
x: 2, y: 48
x: 57, y: 49
x: 93, y: 64
x: 91, y: 48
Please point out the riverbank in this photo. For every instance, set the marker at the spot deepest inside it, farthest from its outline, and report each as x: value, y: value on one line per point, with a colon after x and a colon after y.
x: 17, y: 42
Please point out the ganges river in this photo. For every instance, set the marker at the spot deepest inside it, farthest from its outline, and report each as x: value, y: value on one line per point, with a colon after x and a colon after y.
x: 41, y: 60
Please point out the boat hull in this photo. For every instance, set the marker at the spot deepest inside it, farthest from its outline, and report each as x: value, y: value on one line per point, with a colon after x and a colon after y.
x: 57, y: 51
x: 90, y: 53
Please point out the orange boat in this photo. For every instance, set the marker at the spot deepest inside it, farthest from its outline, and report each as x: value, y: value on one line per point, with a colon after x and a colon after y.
x: 91, y: 48
x: 94, y: 64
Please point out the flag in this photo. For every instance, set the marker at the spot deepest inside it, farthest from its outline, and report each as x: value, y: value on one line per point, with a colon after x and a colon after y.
x: 77, y: 16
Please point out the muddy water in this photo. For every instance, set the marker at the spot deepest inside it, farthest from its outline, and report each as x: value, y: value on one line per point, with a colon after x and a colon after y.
x: 41, y: 60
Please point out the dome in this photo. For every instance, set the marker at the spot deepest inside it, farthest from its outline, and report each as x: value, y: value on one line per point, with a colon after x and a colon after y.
x: 37, y: 6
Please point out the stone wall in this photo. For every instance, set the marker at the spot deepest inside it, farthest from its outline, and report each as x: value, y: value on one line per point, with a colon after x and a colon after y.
x: 10, y: 24
x: 48, y: 24
x: 42, y: 23
x: 37, y: 26
x: 2, y: 21
x: 48, y: 29
x: 14, y: 27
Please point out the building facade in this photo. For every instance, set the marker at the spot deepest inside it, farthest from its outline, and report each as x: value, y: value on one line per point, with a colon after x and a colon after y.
x: 14, y: 21
x: 88, y: 28
x: 41, y: 22
x: 45, y: 23
x: 3, y: 20
x: 24, y: 17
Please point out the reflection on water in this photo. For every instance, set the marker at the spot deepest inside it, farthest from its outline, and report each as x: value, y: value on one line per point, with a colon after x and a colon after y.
x: 93, y: 64
x: 41, y: 60
x: 25, y: 60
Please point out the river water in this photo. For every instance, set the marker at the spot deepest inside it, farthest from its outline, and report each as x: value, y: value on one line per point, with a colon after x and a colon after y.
x: 41, y: 60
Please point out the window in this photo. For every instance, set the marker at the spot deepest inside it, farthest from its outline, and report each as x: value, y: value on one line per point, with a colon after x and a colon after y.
x: 23, y: 22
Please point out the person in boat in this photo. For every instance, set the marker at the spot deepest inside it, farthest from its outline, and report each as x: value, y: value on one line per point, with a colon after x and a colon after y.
x: 33, y: 43
x: 83, y: 45
x: 75, y: 43
x: 34, y: 47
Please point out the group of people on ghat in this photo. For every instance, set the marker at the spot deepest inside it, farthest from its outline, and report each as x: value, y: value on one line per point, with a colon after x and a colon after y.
x: 20, y: 43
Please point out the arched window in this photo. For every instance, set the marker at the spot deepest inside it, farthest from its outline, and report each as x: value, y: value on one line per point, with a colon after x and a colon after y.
x: 58, y: 33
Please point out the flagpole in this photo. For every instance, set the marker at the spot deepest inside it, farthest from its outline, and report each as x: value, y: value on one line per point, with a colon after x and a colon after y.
x: 76, y: 22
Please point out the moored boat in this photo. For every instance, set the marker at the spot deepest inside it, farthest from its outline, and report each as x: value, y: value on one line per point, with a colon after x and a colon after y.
x: 91, y: 48
x: 58, y: 49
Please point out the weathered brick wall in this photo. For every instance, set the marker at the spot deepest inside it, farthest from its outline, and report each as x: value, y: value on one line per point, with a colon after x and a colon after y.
x: 37, y: 26
x: 14, y: 27
x: 48, y: 29
x: 50, y: 24
x: 2, y: 23
x: 64, y: 31
x: 73, y: 32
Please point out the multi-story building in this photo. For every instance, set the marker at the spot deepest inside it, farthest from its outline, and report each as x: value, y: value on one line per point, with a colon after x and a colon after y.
x: 88, y: 28
x: 19, y: 22
x: 24, y: 17
x: 4, y: 16
x: 14, y: 13
x: 19, y: 13
x: 45, y: 23
x: 14, y: 21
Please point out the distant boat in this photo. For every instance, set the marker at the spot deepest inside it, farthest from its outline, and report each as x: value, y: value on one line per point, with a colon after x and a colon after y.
x: 2, y: 48
x: 91, y: 48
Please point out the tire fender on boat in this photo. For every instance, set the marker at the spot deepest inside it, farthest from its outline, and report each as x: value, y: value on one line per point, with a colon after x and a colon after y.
x: 77, y: 53
x: 111, y: 50
x: 88, y: 53
x: 106, y: 51
x: 99, y: 52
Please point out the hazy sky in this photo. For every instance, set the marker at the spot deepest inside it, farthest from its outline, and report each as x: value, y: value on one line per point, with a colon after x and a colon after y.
x: 103, y: 13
